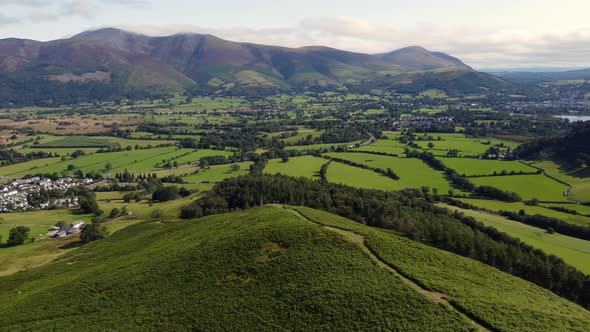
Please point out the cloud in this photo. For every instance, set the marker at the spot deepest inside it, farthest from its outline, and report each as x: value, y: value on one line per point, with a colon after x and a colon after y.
x: 477, y: 46
x: 7, y: 20
x: 38, y: 11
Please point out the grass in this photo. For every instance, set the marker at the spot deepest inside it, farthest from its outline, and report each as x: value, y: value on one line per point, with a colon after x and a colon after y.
x: 321, y: 146
x: 466, y: 145
x: 385, y: 146
x: 77, y: 142
x: 433, y: 93
x: 573, y: 251
x: 218, y: 173
x: 133, y: 161
x: 28, y: 166
x: 527, y: 186
x: 470, y: 166
x: 577, y: 177
x: 360, y: 178
x: 430, y: 110
x: 305, y: 166
x: 501, y: 301
x: 530, y: 210
x: 413, y: 173
x: 261, y: 269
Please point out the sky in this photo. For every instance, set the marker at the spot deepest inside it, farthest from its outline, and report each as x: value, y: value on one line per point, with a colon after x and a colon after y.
x: 482, y: 33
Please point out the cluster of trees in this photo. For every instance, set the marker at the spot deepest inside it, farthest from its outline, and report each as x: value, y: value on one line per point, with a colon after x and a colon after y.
x: 9, y: 157
x: 165, y: 194
x: 572, y: 148
x: 407, y: 212
x: 16, y: 236
x: 94, y: 231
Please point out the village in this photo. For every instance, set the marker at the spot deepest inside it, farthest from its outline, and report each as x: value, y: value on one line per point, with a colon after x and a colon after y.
x: 24, y: 194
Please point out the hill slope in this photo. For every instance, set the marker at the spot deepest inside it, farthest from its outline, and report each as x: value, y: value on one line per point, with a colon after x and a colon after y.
x: 130, y: 61
x: 271, y: 268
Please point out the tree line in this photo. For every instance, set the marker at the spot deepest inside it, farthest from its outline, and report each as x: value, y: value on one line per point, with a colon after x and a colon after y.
x: 410, y: 213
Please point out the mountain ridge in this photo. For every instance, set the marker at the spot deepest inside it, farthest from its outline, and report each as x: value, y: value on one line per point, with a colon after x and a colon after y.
x: 183, y: 62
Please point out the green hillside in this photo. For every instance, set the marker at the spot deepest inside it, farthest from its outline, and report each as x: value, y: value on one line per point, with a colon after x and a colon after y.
x: 273, y: 268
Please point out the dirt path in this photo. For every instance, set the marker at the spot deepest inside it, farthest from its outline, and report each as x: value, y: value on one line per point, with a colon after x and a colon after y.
x: 436, y: 297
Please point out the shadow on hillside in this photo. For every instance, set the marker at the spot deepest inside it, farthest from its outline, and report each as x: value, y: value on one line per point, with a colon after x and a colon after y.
x: 72, y: 245
x: 573, y: 170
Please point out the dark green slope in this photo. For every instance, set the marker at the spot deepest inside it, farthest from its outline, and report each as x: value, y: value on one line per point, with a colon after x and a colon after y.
x: 263, y: 269
x: 274, y: 268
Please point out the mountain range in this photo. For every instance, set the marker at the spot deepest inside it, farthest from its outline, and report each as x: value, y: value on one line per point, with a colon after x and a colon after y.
x: 131, y: 61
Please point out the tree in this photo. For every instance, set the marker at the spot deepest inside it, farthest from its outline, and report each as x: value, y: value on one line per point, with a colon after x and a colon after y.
x: 235, y: 167
x: 430, y: 145
x: 165, y: 194
x: 88, y: 202
x: 108, y: 167
x: 115, y: 213
x: 94, y: 232
x: 285, y: 158
x: 18, y: 236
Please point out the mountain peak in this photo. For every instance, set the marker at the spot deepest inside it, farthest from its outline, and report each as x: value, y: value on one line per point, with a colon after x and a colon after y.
x: 418, y: 58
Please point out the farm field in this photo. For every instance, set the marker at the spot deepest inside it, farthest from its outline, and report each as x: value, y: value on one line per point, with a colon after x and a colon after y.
x: 305, y: 166
x: 217, y: 173
x: 581, y: 209
x: 28, y: 166
x: 133, y: 160
x: 578, y: 178
x: 413, y: 173
x: 501, y: 301
x: 196, y: 155
x: 527, y: 186
x: 360, y: 178
x: 390, y: 146
x: 530, y: 210
x: 471, y: 167
x: 320, y: 146
x: 467, y: 146
x: 573, y: 251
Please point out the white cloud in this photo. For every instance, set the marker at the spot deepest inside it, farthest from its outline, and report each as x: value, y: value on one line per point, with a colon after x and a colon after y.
x: 476, y: 46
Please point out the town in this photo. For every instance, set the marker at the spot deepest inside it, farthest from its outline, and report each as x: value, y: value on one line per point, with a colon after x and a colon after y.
x: 38, y: 193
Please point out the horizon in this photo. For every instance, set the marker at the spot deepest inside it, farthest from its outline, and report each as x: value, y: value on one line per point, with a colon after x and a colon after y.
x: 499, y: 69
x: 490, y: 34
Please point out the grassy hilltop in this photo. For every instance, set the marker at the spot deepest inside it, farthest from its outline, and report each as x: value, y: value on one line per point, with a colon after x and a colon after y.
x: 273, y: 268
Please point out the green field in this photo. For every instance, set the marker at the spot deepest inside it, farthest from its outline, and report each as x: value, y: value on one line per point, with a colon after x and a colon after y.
x: 77, y: 142
x: 530, y: 210
x: 218, y: 173
x: 577, y: 177
x: 28, y: 166
x: 413, y: 173
x: 390, y: 146
x: 573, y: 251
x: 466, y: 145
x: 321, y: 146
x: 581, y: 209
x: 470, y: 166
x: 360, y: 178
x: 133, y: 160
x: 527, y: 186
x: 305, y: 166
x: 433, y: 93
x: 503, y: 302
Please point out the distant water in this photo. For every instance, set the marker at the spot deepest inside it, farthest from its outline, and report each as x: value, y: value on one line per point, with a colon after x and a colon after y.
x: 574, y: 118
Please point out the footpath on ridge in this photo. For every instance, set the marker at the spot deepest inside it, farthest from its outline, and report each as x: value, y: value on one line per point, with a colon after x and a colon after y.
x: 359, y: 240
